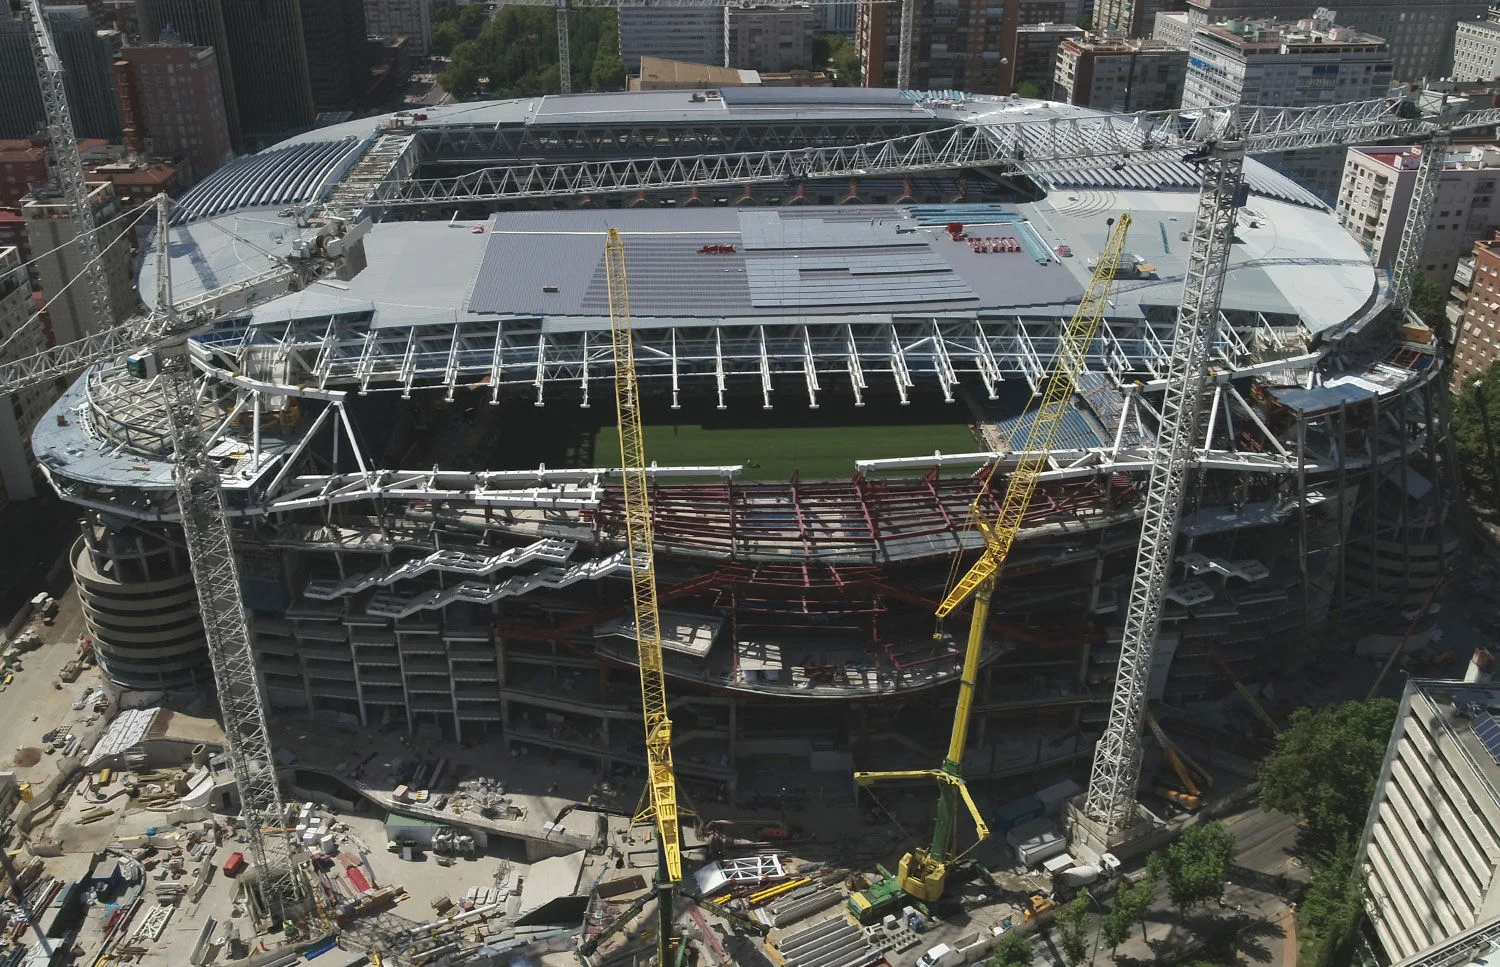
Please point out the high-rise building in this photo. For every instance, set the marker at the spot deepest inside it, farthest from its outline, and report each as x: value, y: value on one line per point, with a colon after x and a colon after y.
x: 1430, y: 850
x: 1476, y: 49
x: 86, y: 54
x: 262, y: 58
x: 1113, y: 73
x: 1034, y: 55
x: 1374, y: 200
x: 1420, y: 34
x: 1288, y: 64
x: 401, y: 18
x: 197, y: 22
x: 50, y: 228
x: 692, y: 34
x: 958, y: 45
x: 770, y: 38
x: 21, y: 411
x: 338, y: 51
x: 1135, y: 17
x: 181, y: 101
x: 270, y: 67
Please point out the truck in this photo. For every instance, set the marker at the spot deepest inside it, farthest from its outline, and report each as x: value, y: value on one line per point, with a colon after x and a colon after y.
x: 968, y: 949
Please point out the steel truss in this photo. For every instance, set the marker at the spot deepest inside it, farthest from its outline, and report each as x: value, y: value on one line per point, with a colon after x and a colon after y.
x: 464, y: 144
x: 1011, y: 141
x: 1110, y: 800
x: 339, y: 353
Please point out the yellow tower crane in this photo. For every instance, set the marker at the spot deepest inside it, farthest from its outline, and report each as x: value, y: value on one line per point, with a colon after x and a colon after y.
x: 923, y: 872
x: 659, y: 801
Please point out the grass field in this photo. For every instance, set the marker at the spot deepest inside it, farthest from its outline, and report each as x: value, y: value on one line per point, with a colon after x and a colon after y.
x: 772, y: 453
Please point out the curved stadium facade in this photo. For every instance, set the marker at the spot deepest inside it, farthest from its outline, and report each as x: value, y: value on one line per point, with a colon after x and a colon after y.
x: 418, y: 453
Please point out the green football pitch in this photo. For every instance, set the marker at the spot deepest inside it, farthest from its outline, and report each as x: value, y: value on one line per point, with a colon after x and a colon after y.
x: 772, y: 453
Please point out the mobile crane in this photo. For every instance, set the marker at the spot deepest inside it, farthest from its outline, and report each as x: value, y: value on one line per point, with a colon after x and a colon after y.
x: 659, y: 800
x: 924, y: 872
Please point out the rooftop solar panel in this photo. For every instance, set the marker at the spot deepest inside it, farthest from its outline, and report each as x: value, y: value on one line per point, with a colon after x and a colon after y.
x: 1488, y: 731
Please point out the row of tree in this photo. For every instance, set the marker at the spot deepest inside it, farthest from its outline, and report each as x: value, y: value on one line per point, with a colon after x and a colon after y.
x: 514, y: 53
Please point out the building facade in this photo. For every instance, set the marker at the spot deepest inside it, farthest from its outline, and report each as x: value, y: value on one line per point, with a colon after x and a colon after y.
x: 692, y: 34
x: 1374, y: 199
x: 178, y: 90
x: 1430, y: 850
x: 773, y: 39
x: 86, y: 54
x: 1288, y: 64
x: 1034, y: 55
x: 1420, y: 34
x: 20, y: 412
x: 23, y: 166
x: 1474, y: 311
x: 263, y: 35
x: 50, y: 228
x: 1476, y: 49
x: 1134, y: 17
x: 336, y: 39
x: 200, y: 23
x: 401, y: 18
x: 959, y: 46
x: 1112, y: 73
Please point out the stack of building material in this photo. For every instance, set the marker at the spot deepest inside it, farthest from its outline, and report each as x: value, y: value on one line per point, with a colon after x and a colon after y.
x: 835, y: 942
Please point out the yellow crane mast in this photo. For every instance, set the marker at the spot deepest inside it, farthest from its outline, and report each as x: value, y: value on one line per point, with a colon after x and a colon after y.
x: 923, y: 873
x: 659, y: 803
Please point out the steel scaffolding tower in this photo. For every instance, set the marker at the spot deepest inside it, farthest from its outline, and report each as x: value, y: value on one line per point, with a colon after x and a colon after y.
x: 1117, y: 756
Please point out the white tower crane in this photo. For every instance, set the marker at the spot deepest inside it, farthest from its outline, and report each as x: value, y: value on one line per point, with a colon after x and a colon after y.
x: 196, y: 481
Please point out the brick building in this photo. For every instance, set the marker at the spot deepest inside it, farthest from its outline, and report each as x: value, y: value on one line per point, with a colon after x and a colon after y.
x: 1475, y: 311
x: 22, y: 165
x: 180, y: 97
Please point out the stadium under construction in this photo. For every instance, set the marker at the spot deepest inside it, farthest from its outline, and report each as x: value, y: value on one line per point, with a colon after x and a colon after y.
x: 418, y: 453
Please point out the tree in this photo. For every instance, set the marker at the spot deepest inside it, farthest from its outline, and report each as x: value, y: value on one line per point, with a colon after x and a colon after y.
x: 1013, y: 950
x: 1197, y: 864
x: 514, y: 54
x: 1332, y: 906
x: 445, y: 37
x: 1072, y: 925
x: 835, y: 52
x: 1030, y: 89
x: 1428, y: 302
x: 1476, y: 402
x: 1129, y: 908
x: 1324, y: 769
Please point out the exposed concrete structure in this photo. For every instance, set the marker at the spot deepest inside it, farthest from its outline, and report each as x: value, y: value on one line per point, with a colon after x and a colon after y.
x: 802, y: 351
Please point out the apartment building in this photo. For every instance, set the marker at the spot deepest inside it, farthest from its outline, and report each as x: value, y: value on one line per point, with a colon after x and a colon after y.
x: 179, y: 99
x: 958, y: 44
x: 1134, y: 17
x: 1474, y: 311
x: 1431, y: 844
x: 1300, y: 63
x: 770, y: 38
x: 50, y: 227
x: 1476, y: 49
x: 1420, y: 34
x: 1111, y: 72
x: 20, y: 411
x: 1033, y: 56
x: 1374, y: 199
